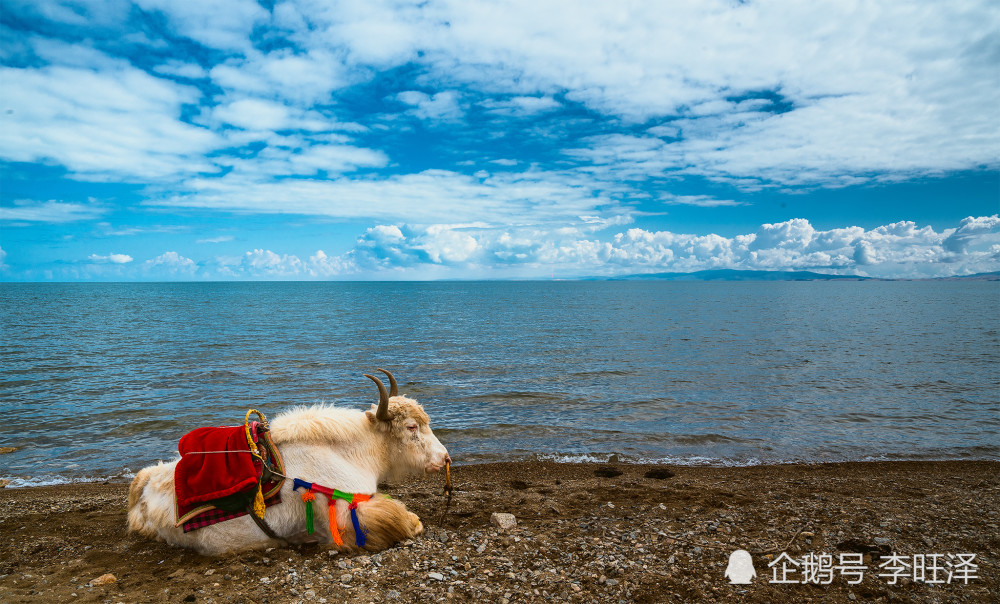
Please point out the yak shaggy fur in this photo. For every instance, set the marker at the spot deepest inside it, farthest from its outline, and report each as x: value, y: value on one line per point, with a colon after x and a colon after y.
x: 345, y: 449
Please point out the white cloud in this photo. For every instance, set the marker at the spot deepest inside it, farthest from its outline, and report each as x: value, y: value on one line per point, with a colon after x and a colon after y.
x: 110, y: 259
x: 171, y: 263
x: 442, y: 106
x: 254, y: 114
x: 895, y: 250
x: 521, y: 106
x: 49, y: 211
x: 322, y: 266
x: 974, y: 232
x: 859, y: 95
x: 219, y: 239
x: 265, y: 263
x: 190, y: 71
x: 463, y: 250
x: 302, y: 79
x: 429, y: 197
x: 219, y: 24
x: 701, y: 201
x: 771, y: 98
x: 120, y: 123
x: 3, y: 260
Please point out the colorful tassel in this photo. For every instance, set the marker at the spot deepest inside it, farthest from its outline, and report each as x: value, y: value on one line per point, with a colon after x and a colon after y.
x: 359, y: 535
x: 258, y: 503
x: 353, y: 499
x: 308, y: 497
x: 334, y: 529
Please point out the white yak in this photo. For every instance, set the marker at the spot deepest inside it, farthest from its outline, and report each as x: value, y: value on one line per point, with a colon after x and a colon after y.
x: 345, y: 449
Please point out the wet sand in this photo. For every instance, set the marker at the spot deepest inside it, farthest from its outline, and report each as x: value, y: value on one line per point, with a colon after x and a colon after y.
x: 585, y: 533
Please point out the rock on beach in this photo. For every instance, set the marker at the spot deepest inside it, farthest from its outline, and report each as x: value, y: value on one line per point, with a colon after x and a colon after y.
x: 503, y: 520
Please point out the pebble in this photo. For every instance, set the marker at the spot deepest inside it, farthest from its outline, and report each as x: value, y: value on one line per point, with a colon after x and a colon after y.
x: 435, y: 576
x: 504, y: 521
x: 346, y: 578
x: 104, y: 579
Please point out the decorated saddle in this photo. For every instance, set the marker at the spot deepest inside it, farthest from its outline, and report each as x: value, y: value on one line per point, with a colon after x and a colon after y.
x: 225, y: 473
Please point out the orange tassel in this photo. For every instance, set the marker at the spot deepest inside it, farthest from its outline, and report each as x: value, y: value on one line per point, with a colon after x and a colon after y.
x: 334, y: 529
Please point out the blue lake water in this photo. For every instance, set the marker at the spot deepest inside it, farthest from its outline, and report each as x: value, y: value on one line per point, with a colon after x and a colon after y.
x: 97, y: 380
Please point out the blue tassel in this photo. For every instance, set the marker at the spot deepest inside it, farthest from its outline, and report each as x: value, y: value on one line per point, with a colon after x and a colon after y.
x: 359, y: 535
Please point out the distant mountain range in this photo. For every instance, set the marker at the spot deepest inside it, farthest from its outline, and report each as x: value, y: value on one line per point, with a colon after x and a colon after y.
x: 740, y: 275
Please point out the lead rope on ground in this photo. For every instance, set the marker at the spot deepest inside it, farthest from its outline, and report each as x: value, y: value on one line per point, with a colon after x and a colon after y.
x: 447, y: 491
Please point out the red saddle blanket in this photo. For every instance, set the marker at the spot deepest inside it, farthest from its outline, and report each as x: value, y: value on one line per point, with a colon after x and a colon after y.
x: 216, y: 463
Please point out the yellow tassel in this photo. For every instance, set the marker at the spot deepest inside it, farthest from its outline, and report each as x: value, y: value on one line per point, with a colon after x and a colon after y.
x: 258, y: 503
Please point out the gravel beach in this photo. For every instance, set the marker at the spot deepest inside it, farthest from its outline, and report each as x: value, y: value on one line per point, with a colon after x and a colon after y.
x: 584, y: 533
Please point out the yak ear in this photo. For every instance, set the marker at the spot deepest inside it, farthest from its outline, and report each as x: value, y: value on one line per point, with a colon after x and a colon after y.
x: 370, y: 414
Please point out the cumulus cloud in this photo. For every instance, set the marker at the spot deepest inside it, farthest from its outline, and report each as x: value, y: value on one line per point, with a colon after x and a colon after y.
x: 897, y: 250
x: 322, y: 266
x: 171, y: 263
x: 265, y: 263
x: 110, y: 259
x: 972, y: 231
x: 463, y: 250
x: 261, y: 264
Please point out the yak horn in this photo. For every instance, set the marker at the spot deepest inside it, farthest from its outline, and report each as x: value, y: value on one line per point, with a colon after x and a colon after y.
x: 382, y: 413
x: 393, y: 387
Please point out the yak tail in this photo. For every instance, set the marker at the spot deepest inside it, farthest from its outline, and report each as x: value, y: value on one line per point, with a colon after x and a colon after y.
x: 137, y: 514
x: 137, y: 486
x: 387, y: 522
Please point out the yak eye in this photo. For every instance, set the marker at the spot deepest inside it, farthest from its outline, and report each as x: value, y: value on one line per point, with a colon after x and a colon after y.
x: 412, y: 428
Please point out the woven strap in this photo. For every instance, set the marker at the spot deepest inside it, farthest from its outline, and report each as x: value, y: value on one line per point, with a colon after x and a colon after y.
x: 263, y: 525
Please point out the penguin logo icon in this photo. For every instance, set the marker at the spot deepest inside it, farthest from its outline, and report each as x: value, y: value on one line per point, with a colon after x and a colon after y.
x: 740, y: 570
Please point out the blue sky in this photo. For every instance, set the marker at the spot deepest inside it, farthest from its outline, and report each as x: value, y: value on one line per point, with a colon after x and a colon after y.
x: 235, y: 139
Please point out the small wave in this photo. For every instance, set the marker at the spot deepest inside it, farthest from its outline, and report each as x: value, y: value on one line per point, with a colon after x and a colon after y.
x: 17, y: 482
x: 603, y: 373
x: 689, y: 460
x: 582, y: 457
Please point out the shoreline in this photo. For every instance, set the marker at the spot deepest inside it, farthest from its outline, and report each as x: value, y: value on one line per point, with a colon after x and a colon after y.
x: 125, y: 476
x: 586, y: 532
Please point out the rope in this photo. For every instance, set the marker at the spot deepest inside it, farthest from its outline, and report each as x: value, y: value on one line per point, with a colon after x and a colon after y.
x: 201, y: 452
x: 258, y: 501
